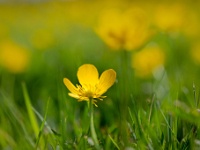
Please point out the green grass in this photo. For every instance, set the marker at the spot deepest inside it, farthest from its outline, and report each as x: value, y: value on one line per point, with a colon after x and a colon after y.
x: 42, y: 115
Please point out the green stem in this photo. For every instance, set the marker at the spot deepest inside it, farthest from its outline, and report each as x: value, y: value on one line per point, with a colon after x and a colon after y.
x: 92, y: 129
x: 124, y: 94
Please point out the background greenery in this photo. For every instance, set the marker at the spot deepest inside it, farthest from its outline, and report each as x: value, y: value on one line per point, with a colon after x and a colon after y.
x: 43, y: 42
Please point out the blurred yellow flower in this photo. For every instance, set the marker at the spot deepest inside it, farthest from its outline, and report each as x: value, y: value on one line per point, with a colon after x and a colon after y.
x: 147, y: 60
x: 91, y: 86
x: 13, y: 57
x: 123, y: 30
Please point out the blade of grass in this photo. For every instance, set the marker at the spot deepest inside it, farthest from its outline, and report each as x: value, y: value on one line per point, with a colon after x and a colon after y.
x: 13, y: 113
x: 141, y: 132
x: 31, y: 114
x: 41, y: 119
x: 114, y: 142
x: 195, y: 95
x: 53, y: 135
x: 42, y: 125
x: 151, y: 108
x: 167, y: 123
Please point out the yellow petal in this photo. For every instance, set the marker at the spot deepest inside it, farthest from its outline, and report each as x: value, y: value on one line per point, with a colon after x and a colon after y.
x: 74, y: 95
x: 107, y: 79
x: 88, y: 75
x: 70, y: 86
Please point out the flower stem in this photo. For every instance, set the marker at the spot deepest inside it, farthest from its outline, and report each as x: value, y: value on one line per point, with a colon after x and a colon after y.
x: 92, y: 129
x: 125, y: 93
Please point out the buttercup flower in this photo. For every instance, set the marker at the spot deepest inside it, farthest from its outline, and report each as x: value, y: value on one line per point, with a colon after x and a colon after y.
x: 91, y: 86
x: 147, y: 60
x: 126, y: 30
x: 14, y: 57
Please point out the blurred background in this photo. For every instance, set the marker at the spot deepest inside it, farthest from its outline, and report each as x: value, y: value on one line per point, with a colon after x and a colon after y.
x: 43, y: 41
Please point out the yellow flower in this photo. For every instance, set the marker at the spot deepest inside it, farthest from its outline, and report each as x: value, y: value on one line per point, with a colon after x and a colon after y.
x: 147, y: 60
x: 13, y: 57
x: 126, y: 30
x: 91, y: 86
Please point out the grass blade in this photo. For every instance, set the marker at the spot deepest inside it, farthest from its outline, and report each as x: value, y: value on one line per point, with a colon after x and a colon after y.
x: 43, y: 123
x: 114, y: 142
x: 31, y: 114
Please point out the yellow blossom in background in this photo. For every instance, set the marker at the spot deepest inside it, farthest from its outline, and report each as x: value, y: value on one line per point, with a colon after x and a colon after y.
x: 13, y: 57
x: 147, y: 60
x: 123, y: 30
x: 169, y: 17
x: 91, y: 86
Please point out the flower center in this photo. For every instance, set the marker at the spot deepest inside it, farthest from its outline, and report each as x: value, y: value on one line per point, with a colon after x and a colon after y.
x: 87, y: 91
x: 89, y: 94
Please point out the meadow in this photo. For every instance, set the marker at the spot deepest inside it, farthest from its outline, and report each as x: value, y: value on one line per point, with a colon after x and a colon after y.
x: 147, y: 54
